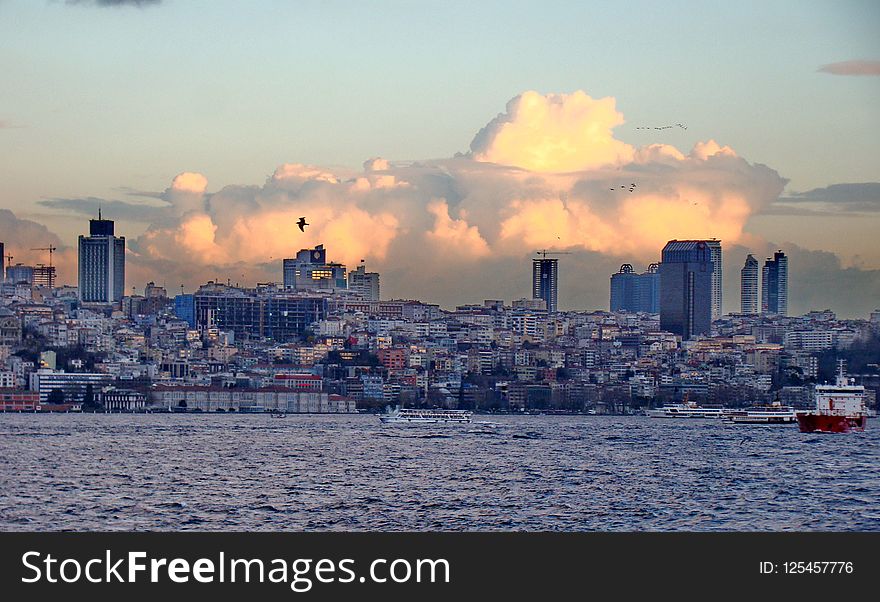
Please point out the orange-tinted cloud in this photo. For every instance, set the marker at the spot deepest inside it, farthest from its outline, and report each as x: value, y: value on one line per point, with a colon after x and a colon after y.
x: 548, y: 173
x: 852, y: 68
x: 553, y: 133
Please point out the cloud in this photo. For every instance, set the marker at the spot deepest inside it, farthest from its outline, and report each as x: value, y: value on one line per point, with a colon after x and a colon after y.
x: 426, y: 225
x: 465, y: 228
x: 120, y: 210
x: 455, y: 236
x: 21, y: 237
x: 138, y: 3
x: 838, y: 199
x: 553, y: 133
x: 189, y: 182
x: 852, y: 68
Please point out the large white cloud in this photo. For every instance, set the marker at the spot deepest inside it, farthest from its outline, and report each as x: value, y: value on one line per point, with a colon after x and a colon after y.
x: 548, y: 173
x: 553, y: 133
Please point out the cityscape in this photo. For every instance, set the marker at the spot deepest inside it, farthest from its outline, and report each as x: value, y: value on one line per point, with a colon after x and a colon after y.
x: 386, y: 266
x: 323, y: 340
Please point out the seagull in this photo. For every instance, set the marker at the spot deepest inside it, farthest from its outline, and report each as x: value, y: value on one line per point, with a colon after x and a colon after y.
x: 302, y: 224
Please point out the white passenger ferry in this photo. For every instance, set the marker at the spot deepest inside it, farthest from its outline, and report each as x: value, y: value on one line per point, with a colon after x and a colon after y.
x: 686, y: 409
x: 775, y: 413
x: 413, y: 415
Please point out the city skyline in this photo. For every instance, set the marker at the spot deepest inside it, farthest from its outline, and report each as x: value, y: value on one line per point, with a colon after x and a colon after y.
x: 206, y: 179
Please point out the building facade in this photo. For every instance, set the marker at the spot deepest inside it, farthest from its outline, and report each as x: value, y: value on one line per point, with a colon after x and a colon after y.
x: 255, y: 313
x: 364, y: 283
x: 74, y: 385
x: 185, y: 309
x: 686, y: 288
x: 309, y: 270
x: 20, y: 274
x: 101, y: 263
x: 633, y: 292
x: 774, y: 285
x: 748, y: 286
x: 545, y: 281
x: 715, y: 252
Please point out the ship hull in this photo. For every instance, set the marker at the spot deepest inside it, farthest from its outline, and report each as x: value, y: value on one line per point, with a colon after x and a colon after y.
x: 819, y: 423
x: 392, y: 420
x: 763, y: 419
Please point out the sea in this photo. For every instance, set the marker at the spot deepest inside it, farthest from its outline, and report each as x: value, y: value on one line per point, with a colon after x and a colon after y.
x: 228, y: 472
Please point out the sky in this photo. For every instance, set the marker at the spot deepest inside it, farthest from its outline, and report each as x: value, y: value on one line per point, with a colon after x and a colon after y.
x: 445, y: 142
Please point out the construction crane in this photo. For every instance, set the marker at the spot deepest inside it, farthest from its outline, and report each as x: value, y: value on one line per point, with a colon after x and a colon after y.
x: 545, y: 253
x: 51, y: 250
x: 51, y: 271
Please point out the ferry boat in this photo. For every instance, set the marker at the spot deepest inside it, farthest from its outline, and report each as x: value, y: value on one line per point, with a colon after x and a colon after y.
x: 685, y: 409
x: 840, y: 408
x: 414, y: 415
x: 775, y: 413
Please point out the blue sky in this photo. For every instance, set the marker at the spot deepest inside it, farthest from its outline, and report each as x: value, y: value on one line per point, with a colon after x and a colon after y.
x: 100, y: 99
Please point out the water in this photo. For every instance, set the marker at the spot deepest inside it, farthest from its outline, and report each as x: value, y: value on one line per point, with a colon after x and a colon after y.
x: 525, y: 473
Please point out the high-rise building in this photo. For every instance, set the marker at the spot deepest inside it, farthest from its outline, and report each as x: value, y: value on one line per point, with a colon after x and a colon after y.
x: 686, y: 288
x: 44, y: 275
x: 17, y: 274
x: 748, y: 286
x: 2, y: 262
x: 636, y: 292
x: 715, y: 248
x: 101, y: 263
x: 774, y: 285
x: 545, y: 281
x: 648, y: 289
x: 623, y: 289
x: 364, y: 283
x: 309, y: 270
x: 185, y: 308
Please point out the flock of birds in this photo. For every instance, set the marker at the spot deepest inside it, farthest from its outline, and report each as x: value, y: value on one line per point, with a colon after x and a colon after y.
x: 631, y: 187
x: 662, y: 127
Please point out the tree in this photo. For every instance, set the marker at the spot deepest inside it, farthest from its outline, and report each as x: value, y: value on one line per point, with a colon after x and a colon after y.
x: 89, y: 404
x: 56, y: 396
x: 563, y: 373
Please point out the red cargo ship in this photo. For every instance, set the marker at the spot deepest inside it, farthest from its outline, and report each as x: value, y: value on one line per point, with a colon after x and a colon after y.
x: 840, y: 408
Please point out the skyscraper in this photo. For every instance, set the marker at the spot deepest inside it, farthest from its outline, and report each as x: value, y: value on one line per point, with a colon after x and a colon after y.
x: 545, y: 281
x: 364, y: 283
x: 715, y: 248
x: 686, y: 288
x: 774, y: 285
x: 636, y: 292
x: 748, y: 286
x: 623, y: 289
x: 101, y: 263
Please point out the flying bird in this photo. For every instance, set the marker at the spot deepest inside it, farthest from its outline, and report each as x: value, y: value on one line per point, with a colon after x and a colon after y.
x: 302, y: 224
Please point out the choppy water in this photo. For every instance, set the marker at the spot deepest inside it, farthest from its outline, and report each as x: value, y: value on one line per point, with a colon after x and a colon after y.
x: 534, y: 473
